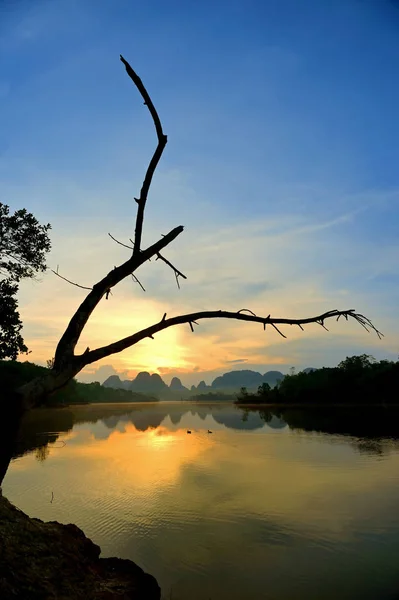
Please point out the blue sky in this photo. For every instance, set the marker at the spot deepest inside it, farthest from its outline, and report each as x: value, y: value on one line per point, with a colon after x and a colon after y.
x: 281, y: 163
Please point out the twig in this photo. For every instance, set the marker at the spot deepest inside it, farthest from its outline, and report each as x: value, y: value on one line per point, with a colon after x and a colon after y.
x: 120, y: 243
x: 137, y: 281
x: 246, y: 310
x: 322, y: 325
x: 176, y: 271
x: 83, y: 287
x: 278, y: 331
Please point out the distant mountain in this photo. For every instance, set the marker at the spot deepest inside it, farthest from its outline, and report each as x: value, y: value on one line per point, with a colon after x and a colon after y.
x: 273, y: 377
x: 309, y: 370
x: 237, y: 379
x: 148, y: 384
x: 234, y: 380
x: 177, y: 386
x: 228, y: 382
x: 116, y: 383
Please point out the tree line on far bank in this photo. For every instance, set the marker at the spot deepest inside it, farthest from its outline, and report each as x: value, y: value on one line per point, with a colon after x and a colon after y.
x: 356, y: 380
x: 14, y: 374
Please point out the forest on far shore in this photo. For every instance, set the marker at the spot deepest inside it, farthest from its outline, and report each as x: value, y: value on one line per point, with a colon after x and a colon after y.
x: 356, y: 380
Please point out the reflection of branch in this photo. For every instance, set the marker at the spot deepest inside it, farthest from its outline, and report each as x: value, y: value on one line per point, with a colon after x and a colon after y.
x: 176, y: 271
x: 164, y: 323
x: 83, y: 287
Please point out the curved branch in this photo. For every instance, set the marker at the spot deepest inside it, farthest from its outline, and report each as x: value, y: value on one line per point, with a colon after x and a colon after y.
x: 94, y: 355
x: 162, y: 140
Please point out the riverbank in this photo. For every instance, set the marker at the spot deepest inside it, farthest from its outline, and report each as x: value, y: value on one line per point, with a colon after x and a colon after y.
x: 48, y: 561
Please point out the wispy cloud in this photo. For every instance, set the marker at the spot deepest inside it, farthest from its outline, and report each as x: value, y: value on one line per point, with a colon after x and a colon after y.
x: 237, y: 360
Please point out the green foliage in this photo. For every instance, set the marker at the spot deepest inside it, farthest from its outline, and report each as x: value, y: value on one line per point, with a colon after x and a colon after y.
x: 24, y: 244
x: 356, y: 380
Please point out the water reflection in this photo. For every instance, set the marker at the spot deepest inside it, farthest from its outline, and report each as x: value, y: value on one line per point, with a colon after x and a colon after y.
x: 270, y: 505
x: 370, y: 430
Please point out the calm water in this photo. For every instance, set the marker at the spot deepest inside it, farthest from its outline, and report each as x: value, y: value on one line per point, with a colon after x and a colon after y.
x: 257, y: 509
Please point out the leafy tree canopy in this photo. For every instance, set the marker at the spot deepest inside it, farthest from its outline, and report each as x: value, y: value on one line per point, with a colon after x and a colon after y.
x: 357, y: 363
x: 356, y: 380
x: 24, y: 243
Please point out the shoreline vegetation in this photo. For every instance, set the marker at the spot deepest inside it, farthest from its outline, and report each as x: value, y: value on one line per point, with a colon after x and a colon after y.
x: 358, y: 380
x: 14, y: 374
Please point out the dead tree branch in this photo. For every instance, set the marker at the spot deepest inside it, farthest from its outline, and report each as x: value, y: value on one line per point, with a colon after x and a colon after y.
x: 164, y: 323
x: 82, y: 287
x: 159, y: 256
x: 68, y: 341
x: 176, y: 271
x: 137, y: 281
x: 162, y: 140
x: 120, y: 243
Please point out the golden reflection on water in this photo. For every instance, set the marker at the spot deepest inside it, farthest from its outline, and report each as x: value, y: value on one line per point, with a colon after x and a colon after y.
x: 250, y: 513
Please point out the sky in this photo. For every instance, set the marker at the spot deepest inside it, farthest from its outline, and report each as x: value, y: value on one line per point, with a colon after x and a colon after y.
x: 281, y: 163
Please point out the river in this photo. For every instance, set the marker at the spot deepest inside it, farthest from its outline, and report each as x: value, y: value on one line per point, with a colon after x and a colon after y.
x: 250, y: 505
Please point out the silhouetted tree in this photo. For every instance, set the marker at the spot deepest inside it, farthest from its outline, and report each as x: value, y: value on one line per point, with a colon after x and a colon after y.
x: 67, y: 364
x: 356, y: 380
x: 264, y: 389
x: 24, y: 244
x: 356, y: 363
